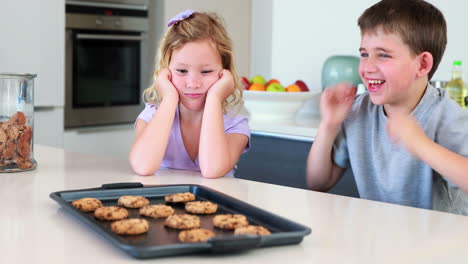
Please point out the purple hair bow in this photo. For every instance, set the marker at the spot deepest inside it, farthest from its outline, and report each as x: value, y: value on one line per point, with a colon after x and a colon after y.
x: 181, y: 16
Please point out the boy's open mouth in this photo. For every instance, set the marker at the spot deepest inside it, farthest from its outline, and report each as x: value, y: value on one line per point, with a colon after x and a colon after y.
x: 374, y: 85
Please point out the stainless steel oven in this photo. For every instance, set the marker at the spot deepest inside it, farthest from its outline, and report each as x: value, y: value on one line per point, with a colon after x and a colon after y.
x: 106, y: 61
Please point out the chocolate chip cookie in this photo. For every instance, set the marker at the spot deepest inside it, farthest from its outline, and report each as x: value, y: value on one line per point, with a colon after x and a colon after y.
x: 195, y: 235
x: 252, y: 230
x: 179, y: 197
x: 182, y: 221
x: 157, y: 210
x: 201, y: 207
x: 132, y: 226
x: 87, y: 204
x: 133, y: 201
x: 230, y: 221
x: 111, y: 213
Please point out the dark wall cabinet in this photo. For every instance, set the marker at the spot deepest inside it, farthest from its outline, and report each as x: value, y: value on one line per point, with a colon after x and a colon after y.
x: 283, y: 161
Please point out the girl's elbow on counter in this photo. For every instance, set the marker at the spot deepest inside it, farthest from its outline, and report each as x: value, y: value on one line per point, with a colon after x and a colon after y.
x: 212, y: 173
x: 143, y: 170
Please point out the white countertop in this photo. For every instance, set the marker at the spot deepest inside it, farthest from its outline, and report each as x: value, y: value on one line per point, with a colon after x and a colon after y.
x: 34, y: 228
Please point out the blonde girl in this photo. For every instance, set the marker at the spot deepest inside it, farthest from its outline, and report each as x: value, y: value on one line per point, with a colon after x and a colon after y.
x: 190, y: 121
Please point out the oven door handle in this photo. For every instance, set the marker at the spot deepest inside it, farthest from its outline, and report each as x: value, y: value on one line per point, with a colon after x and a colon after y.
x: 108, y: 5
x: 109, y: 37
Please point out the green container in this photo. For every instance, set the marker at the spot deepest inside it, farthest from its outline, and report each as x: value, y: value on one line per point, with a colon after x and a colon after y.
x: 340, y: 68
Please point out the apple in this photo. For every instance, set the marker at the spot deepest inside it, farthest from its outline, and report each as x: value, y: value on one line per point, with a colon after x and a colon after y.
x: 259, y: 79
x: 245, y: 82
x: 302, y: 85
x: 293, y: 88
x: 275, y: 87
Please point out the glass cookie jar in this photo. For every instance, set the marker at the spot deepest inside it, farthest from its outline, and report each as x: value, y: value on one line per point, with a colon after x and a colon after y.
x: 16, y: 122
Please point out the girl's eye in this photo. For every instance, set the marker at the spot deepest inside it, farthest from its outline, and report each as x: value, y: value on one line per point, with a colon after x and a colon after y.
x: 181, y: 70
x: 206, y: 72
x: 364, y: 55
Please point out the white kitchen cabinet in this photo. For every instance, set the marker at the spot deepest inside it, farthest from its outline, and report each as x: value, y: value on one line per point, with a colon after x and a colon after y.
x: 44, y: 118
x: 113, y: 141
x: 32, y: 41
x: 51, y: 75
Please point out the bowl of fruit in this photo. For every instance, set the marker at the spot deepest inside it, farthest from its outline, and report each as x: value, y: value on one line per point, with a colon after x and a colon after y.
x: 272, y: 100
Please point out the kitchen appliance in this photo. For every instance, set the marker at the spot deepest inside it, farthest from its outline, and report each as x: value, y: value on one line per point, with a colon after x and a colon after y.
x: 106, y: 61
x: 16, y: 122
x: 340, y: 68
x: 161, y: 241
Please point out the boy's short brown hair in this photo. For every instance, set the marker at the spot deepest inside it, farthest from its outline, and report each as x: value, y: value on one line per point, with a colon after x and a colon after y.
x: 420, y: 25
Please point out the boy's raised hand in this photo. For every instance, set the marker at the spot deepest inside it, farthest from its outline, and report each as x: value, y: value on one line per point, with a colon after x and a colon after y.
x: 164, y: 85
x: 223, y: 87
x: 336, y: 102
x: 403, y: 129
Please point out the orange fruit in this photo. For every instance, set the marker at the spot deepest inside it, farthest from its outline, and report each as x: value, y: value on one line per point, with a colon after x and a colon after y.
x: 293, y: 88
x: 271, y: 81
x: 257, y: 87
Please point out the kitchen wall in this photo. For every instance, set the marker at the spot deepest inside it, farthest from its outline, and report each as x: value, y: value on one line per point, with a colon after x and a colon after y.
x: 235, y: 14
x: 298, y: 36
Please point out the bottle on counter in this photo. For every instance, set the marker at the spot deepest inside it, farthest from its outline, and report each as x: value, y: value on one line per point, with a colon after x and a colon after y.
x: 455, y: 87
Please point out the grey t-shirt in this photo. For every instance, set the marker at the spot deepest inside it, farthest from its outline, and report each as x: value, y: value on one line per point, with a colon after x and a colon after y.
x: 389, y: 173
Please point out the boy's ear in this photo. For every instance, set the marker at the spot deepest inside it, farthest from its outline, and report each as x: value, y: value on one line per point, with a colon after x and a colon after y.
x: 425, y: 63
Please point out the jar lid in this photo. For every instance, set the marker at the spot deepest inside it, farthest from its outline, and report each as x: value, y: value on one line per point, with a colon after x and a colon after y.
x: 9, y: 75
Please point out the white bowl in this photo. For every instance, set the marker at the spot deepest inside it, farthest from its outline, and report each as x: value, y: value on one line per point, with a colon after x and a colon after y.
x: 263, y: 105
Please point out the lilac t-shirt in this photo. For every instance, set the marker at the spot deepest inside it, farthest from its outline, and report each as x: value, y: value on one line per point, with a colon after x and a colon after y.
x: 176, y: 156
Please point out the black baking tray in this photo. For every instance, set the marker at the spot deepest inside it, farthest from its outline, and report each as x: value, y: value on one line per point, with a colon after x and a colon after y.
x: 162, y: 241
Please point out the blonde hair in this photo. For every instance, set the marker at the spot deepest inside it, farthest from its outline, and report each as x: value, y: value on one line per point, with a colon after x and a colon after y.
x: 199, y: 26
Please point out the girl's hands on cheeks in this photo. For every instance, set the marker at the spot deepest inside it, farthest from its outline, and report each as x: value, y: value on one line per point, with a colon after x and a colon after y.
x: 403, y: 129
x: 335, y: 104
x: 223, y: 87
x: 165, y: 87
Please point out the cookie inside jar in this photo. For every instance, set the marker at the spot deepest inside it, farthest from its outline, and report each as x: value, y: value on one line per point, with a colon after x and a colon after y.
x: 16, y: 139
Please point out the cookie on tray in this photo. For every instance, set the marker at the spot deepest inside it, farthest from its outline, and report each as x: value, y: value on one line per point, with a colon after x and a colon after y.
x: 201, y: 207
x: 252, y: 230
x: 157, y: 210
x: 130, y: 201
x: 111, y: 213
x: 182, y: 221
x: 230, y: 221
x: 132, y: 226
x: 195, y: 235
x: 87, y: 204
x: 179, y: 197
